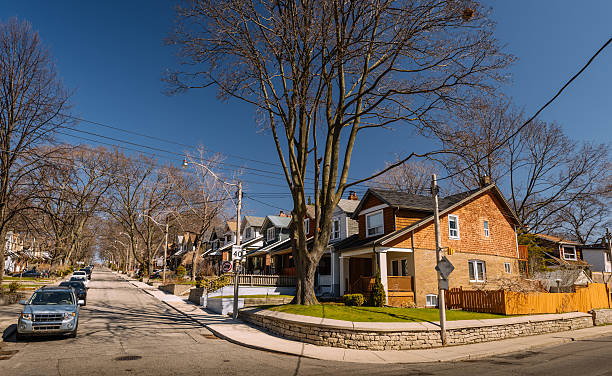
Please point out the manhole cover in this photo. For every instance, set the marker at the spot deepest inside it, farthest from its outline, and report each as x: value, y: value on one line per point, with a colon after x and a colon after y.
x: 128, y: 357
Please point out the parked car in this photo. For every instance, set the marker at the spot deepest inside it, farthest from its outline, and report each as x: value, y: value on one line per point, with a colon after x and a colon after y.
x: 79, y: 289
x: 157, y: 274
x: 87, y: 271
x: 49, y: 311
x: 80, y: 277
x: 29, y: 273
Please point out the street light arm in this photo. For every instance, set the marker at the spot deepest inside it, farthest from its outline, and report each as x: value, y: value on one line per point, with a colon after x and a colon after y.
x: 186, y: 163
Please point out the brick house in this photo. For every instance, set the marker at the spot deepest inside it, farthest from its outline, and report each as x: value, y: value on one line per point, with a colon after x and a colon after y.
x: 396, y: 231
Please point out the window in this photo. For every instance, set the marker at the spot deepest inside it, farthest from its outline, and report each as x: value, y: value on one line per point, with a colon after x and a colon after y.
x: 335, y: 233
x: 247, y: 233
x: 404, y: 267
x: 507, y: 267
x: 374, y: 223
x: 399, y: 268
x: 395, y: 267
x: 486, y: 228
x: 478, y: 271
x: 306, y: 226
x: 453, y: 227
x: 431, y: 300
x: 569, y: 252
x: 270, y: 234
x: 325, y: 265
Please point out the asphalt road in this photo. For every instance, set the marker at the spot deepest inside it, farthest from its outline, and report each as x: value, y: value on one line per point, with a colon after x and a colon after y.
x: 124, y: 331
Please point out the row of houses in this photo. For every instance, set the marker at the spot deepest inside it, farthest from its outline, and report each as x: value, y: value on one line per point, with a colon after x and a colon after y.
x: 393, y: 232
x: 22, y: 251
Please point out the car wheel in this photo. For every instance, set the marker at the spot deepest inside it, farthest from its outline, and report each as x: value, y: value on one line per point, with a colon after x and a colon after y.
x: 20, y: 336
x: 73, y: 334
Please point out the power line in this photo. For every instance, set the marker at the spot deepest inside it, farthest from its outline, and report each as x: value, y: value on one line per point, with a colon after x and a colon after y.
x: 535, y: 115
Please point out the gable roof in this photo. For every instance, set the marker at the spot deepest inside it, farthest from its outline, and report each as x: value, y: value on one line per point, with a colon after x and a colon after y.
x: 557, y: 239
x: 253, y: 221
x: 449, y: 203
x: 231, y: 225
x: 348, y: 206
x: 277, y: 221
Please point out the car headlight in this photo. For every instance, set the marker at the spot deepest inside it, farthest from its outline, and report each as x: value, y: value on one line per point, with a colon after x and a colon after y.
x: 26, y: 316
x: 69, y: 315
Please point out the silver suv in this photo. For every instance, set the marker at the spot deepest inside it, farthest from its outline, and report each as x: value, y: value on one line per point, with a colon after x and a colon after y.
x: 49, y: 311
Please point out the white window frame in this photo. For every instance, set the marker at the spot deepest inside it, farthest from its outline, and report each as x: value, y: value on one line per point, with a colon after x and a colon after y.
x: 430, y: 299
x: 306, y: 225
x: 268, y: 237
x: 450, y: 235
x: 335, y: 232
x: 477, y: 277
x: 574, y: 258
x: 487, y: 230
x: 382, y: 226
x: 248, y: 232
x: 508, y: 267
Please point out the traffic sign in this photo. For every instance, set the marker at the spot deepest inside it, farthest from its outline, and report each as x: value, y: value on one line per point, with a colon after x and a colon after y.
x: 444, y: 267
x: 236, y: 252
x: 226, y: 267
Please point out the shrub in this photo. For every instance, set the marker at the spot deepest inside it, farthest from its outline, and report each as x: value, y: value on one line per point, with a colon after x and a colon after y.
x: 13, y: 287
x: 355, y: 300
x: 180, y: 271
x: 377, y: 296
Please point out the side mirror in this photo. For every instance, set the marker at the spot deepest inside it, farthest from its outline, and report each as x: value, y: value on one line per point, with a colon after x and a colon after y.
x: 23, y: 302
x: 81, y: 302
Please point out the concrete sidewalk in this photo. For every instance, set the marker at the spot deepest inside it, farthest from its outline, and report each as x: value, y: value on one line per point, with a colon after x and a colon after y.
x: 237, y: 332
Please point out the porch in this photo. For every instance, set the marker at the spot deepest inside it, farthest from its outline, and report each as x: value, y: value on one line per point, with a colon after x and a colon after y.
x: 358, y: 269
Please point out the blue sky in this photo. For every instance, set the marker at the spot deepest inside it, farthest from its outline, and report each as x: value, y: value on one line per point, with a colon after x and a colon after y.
x: 111, y: 53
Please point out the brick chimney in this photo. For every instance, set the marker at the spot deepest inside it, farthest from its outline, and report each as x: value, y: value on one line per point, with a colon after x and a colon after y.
x: 282, y: 214
x: 353, y: 196
x: 484, y: 181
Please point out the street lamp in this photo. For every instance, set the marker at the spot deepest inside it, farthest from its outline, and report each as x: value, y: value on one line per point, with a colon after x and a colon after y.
x: 238, y: 206
x: 166, y: 248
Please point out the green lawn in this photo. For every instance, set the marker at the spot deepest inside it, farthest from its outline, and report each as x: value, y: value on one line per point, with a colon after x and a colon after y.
x: 378, y: 314
x: 254, y: 296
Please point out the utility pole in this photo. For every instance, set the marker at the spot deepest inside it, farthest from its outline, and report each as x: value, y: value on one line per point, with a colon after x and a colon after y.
x: 165, y: 251
x: 237, y: 262
x: 441, y: 304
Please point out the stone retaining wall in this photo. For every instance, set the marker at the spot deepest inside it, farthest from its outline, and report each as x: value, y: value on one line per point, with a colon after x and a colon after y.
x: 175, y: 289
x: 405, y: 336
x: 602, y: 316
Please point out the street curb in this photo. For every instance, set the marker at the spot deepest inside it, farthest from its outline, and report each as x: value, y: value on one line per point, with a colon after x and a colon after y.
x: 554, y: 341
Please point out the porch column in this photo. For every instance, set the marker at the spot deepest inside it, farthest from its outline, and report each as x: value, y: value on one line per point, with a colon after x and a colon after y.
x: 343, y: 273
x: 382, y: 263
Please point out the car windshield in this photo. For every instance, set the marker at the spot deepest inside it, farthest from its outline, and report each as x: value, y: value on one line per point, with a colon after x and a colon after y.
x: 76, y: 278
x: 79, y: 273
x: 75, y: 284
x: 52, y: 298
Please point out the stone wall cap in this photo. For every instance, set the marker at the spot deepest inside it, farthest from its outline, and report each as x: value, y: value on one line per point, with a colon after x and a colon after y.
x: 407, y: 326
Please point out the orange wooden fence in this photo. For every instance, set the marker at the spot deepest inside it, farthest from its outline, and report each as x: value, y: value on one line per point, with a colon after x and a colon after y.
x: 595, y: 295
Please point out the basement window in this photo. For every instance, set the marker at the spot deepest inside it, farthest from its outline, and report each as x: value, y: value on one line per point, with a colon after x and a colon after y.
x: 477, y: 270
x: 431, y: 300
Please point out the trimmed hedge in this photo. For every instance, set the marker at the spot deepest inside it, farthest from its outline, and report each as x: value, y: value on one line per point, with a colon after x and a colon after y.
x: 355, y: 300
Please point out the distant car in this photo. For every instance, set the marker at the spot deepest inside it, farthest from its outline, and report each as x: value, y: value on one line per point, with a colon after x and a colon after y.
x: 49, y: 311
x: 29, y: 273
x: 158, y: 274
x: 80, y: 277
x: 79, y: 289
x: 87, y: 271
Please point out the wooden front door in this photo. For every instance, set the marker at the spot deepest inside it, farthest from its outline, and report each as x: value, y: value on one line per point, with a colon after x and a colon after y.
x: 358, y: 267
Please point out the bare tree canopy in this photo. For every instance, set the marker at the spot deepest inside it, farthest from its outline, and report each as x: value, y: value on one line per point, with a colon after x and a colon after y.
x: 320, y: 72
x: 32, y: 100
x: 411, y: 177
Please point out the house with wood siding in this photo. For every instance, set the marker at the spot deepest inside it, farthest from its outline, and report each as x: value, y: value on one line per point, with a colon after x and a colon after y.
x: 396, y: 236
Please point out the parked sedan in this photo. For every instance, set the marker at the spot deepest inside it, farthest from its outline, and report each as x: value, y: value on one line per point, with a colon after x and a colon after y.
x: 29, y: 273
x: 79, y: 289
x: 50, y: 310
x: 80, y: 278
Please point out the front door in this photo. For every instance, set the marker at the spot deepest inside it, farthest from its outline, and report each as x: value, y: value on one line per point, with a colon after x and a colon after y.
x: 358, y: 267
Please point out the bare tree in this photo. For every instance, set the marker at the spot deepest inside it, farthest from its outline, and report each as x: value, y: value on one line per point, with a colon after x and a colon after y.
x: 203, y: 200
x: 412, y: 177
x: 32, y: 100
x: 321, y: 72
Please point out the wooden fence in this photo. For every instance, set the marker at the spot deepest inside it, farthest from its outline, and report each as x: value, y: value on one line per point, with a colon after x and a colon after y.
x: 595, y: 295
x: 265, y: 280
